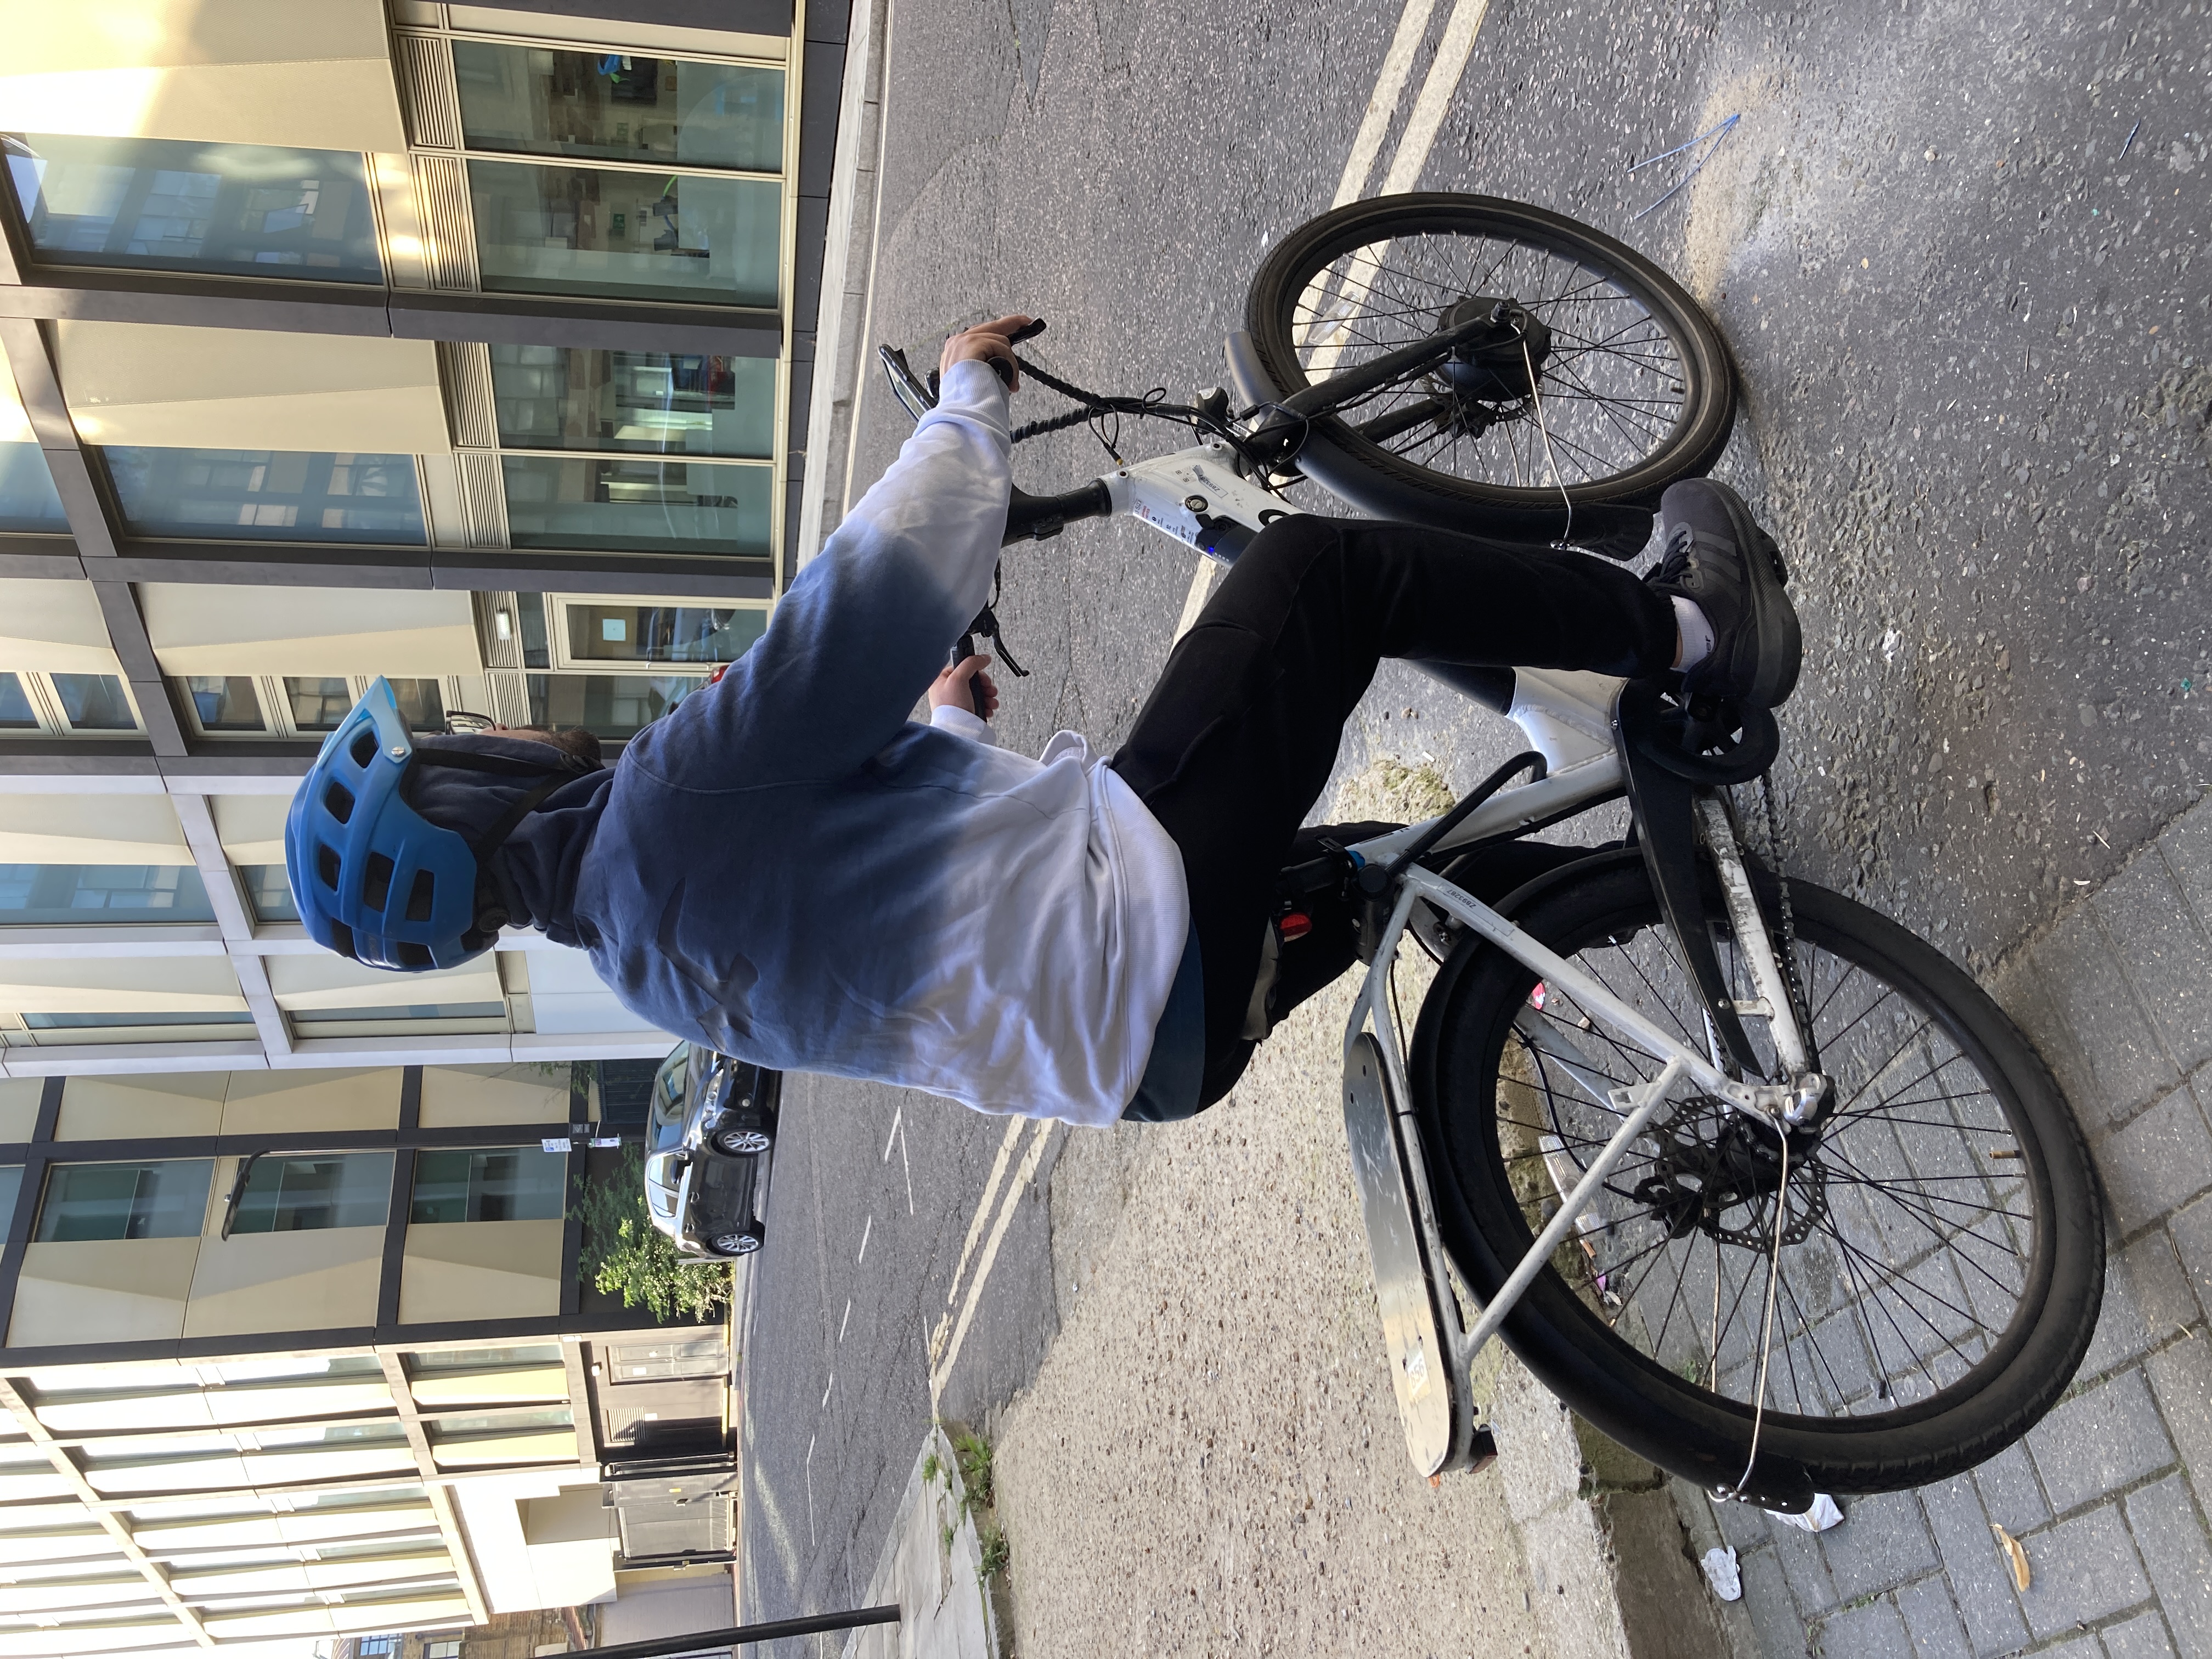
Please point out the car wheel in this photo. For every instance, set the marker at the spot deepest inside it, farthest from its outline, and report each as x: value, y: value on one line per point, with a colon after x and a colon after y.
x: 742, y: 1143
x: 743, y: 1243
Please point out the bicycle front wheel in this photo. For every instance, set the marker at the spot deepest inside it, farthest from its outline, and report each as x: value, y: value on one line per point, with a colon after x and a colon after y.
x: 1936, y: 1245
x: 1625, y: 386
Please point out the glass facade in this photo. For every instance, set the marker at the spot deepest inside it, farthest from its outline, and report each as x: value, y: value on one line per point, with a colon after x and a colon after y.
x: 505, y: 1183
x: 618, y: 633
x: 559, y: 398
x: 261, y: 494
x: 16, y: 713
x: 55, y: 895
x: 546, y: 230
x: 620, y: 106
x: 640, y: 505
x: 302, y: 1194
x: 213, y: 209
x: 11, y: 1188
x: 615, y: 705
x: 95, y: 702
x: 269, y: 891
x: 370, y: 1021
x: 29, y: 502
x: 224, y: 703
x: 162, y: 1200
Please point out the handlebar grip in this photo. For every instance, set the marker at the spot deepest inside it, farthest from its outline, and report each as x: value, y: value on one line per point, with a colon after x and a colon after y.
x: 962, y: 648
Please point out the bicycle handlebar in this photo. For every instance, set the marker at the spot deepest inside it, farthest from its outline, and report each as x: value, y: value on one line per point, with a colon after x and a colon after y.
x: 1037, y: 518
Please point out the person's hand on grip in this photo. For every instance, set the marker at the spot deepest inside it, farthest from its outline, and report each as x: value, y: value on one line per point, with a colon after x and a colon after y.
x: 986, y: 343
x: 965, y: 685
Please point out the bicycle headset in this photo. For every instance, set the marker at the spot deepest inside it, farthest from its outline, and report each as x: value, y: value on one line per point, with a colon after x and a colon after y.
x: 373, y: 879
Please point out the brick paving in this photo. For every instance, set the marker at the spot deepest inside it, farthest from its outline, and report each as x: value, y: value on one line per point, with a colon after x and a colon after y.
x: 2108, y: 1496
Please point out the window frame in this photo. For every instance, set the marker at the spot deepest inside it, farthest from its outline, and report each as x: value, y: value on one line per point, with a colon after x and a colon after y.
x: 51, y: 714
x: 276, y: 703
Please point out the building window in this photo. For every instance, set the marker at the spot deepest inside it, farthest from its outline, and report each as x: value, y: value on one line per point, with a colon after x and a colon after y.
x: 620, y: 106
x: 164, y: 1199
x: 451, y: 1650
x: 11, y: 1188
x: 455, y: 1018
x: 562, y: 398
x: 504, y: 1183
x: 54, y: 895
x: 66, y: 705
x: 299, y: 705
x: 616, y: 706
x: 213, y: 209
x: 28, y: 502
x: 596, y: 632
x: 138, y: 1026
x: 372, y: 1647
x: 508, y: 1356
x: 617, y: 235
x: 640, y: 505
x: 269, y: 891
x: 267, y: 495
x: 303, y: 1192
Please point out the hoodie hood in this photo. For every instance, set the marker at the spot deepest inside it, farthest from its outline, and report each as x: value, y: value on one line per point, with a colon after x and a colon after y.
x: 537, y: 865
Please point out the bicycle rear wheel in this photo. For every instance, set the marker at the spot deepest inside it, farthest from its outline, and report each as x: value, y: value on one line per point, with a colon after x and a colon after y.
x: 1942, y: 1254
x: 1631, y: 381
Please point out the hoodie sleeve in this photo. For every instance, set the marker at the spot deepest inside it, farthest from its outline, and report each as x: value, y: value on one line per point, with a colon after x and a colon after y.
x: 864, y: 629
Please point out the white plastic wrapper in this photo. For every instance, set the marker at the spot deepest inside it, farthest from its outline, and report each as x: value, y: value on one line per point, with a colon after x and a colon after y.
x: 1722, y: 1574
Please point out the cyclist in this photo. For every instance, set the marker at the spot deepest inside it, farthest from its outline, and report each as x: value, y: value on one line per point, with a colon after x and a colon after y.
x: 787, y: 869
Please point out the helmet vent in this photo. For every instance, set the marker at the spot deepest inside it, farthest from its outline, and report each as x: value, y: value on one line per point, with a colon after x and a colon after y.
x: 363, y: 748
x: 375, y: 881
x: 326, y: 867
x: 338, y: 799
x: 421, y: 895
x: 342, y: 940
x: 415, y: 956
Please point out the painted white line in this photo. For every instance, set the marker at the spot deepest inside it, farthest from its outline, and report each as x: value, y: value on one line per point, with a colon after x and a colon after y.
x: 865, y: 1231
x: 826, y: 1392
x: 1029, y: 1161
x: 1201, y: 590
x: 1444, y: 71
x: 905, y: 1164
x: 813, y: 1538
x: 1014, y: 1127
x: 846, y: 1320
x: 1382, y: 103
x: 897, y: 1118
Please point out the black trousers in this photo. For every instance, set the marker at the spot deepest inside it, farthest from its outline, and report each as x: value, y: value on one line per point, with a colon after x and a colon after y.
x: 1239, y: 737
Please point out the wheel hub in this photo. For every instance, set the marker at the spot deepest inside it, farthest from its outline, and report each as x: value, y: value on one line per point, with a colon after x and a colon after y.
x: 1716, y: 1172
x: 1492, y: 368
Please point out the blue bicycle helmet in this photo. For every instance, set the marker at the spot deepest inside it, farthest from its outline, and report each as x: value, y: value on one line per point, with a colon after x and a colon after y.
x: 373, y: 879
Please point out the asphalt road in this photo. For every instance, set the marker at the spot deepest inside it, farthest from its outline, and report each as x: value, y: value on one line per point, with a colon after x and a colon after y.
x: 1951, y: 247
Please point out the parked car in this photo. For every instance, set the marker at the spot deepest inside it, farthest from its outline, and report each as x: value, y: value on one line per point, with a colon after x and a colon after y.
x: 709, y: 1137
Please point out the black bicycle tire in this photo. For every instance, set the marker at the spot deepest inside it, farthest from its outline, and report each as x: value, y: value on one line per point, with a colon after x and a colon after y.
x: 1349, y: 465
x: 1648, y: 1409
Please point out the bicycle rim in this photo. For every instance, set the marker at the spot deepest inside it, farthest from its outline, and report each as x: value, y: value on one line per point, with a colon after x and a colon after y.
x: 1941, y: 1254
x: 1630, y: 386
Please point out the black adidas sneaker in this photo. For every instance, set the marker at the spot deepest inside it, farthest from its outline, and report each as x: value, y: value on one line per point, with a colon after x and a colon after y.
x: 1718, y: 558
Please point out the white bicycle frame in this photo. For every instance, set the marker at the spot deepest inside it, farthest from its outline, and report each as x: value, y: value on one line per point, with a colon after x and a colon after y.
x: 1568, y: 718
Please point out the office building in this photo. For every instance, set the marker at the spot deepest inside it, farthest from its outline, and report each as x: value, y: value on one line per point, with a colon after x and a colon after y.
x: 293, y: 1357
x: 466, y: 346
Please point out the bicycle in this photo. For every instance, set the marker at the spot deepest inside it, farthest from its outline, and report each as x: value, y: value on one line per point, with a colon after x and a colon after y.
x: 1763, y: 1186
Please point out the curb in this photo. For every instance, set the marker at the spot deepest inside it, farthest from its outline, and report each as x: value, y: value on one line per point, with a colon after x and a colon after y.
x: 932, y: 1565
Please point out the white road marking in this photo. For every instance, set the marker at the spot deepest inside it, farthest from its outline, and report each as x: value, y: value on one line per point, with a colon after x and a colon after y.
x: 826, y: 1393
x: 846, y: 1320
x: 1029, y: 1161
x: 1444, y: 71
x: 905, y: 1164
x: 1201, y: 590
x: 1382, y: 103
x: 812, y: 1537
x: 865, y: 1231
x: 1014, y: 1127
x: 897, y: 1118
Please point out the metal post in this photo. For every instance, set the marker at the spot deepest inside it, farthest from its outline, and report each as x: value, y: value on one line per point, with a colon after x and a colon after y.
x: 700, y: 1641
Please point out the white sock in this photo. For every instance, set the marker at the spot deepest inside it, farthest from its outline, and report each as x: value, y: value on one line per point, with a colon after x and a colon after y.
x: 1697, y: 632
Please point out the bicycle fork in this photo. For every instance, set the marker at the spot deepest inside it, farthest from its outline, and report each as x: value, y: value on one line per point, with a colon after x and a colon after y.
x: 1431, y: 1352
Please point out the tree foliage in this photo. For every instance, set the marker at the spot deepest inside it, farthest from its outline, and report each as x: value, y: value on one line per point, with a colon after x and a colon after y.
x: 624, y: 1255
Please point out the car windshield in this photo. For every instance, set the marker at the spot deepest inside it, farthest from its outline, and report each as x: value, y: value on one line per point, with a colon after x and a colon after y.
x: 672, y: 1083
